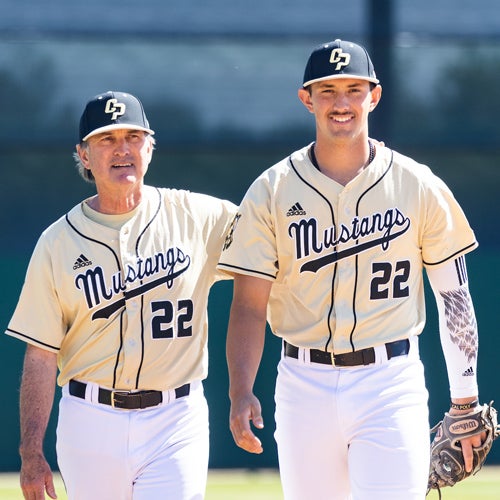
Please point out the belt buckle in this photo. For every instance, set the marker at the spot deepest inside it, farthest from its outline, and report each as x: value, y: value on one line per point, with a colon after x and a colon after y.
x: 120, y: 393
x: 333, y: 358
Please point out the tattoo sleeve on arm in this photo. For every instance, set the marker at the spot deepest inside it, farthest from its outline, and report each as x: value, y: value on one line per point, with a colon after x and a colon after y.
x: 461, y: 321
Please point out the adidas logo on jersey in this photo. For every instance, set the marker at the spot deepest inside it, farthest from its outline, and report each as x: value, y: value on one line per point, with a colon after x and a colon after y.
x: 296, y: 210
x: 468, y: 373
x: 82, y: 261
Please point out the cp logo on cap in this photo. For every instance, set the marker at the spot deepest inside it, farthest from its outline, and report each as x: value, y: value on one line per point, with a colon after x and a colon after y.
x: 115, y: 107
x: 341, y: 58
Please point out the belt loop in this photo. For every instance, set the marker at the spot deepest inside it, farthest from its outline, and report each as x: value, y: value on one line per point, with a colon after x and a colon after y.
x: 305, y: 355
x: 380, y: 354
x: 169, y: 396
x: 92, y: 391
x: 413, y: 347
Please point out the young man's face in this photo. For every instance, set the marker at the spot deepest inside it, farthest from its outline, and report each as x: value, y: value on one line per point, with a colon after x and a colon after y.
x: 341, y: 106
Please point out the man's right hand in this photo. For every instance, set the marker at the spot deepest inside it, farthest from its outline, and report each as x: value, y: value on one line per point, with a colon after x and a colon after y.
x: 36, y: 478
x: 243, y: 411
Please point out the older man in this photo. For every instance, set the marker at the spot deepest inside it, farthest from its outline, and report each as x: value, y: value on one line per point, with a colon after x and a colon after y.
x: 116, y: 298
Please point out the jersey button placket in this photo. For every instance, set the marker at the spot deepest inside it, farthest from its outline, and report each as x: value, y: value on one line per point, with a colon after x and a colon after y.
x: 344, y: 275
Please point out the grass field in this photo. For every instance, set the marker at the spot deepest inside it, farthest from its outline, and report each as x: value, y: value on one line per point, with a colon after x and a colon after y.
x: 264, y: 485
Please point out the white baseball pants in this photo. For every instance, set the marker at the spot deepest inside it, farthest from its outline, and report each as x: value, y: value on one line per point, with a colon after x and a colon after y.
x: 150, y: 454
x: 358, y: 433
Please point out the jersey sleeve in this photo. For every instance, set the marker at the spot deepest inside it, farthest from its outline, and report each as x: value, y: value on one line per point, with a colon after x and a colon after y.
x: 216, y: 216
x: 447, y: 233
x: 38, y: 317
x: 250, y: 245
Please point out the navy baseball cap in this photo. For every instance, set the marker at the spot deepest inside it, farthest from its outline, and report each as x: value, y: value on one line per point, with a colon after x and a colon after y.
x: 339, y: 59
x: 110, y: 111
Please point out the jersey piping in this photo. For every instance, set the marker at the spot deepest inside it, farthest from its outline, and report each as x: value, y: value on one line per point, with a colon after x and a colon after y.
x: 334, y: 273
x: 33, y: 340
x: 122, y: 302
x: 143, y: 347
x: 253, y: 271
x: 106, y: 312
x: 356, y: 259
x: 458, y: 252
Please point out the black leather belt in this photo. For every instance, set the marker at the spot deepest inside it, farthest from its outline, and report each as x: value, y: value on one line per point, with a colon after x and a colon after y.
x: 354, y: 358
x: 126, y: 400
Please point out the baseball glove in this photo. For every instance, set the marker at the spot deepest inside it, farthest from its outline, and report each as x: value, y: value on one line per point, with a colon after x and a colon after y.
x: 447, y: 462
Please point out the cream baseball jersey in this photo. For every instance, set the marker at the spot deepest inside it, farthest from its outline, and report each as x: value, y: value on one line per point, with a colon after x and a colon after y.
x: 346, y: 261
x: 112, y: 302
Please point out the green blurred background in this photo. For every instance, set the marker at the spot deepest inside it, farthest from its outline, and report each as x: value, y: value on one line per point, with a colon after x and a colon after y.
x: 219, y: 80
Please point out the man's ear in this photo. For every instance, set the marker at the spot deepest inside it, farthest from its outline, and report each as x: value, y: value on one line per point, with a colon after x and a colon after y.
x: 376, y: 96
x: 83, y: 154
x: 305, y: 98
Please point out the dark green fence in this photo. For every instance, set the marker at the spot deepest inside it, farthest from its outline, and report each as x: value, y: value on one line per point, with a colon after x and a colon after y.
x: 49, y: 185
x: 224, y: 110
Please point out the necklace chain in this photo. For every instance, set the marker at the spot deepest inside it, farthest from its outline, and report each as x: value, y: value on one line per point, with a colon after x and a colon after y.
x: 371, y: 156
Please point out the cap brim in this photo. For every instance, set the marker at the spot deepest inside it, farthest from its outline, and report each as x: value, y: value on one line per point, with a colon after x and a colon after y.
x: 117, y: 126
x: 336, y: 77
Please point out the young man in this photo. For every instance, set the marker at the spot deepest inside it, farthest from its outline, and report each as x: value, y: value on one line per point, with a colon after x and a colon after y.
x: 116, y: 298
x: 329, y: 247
